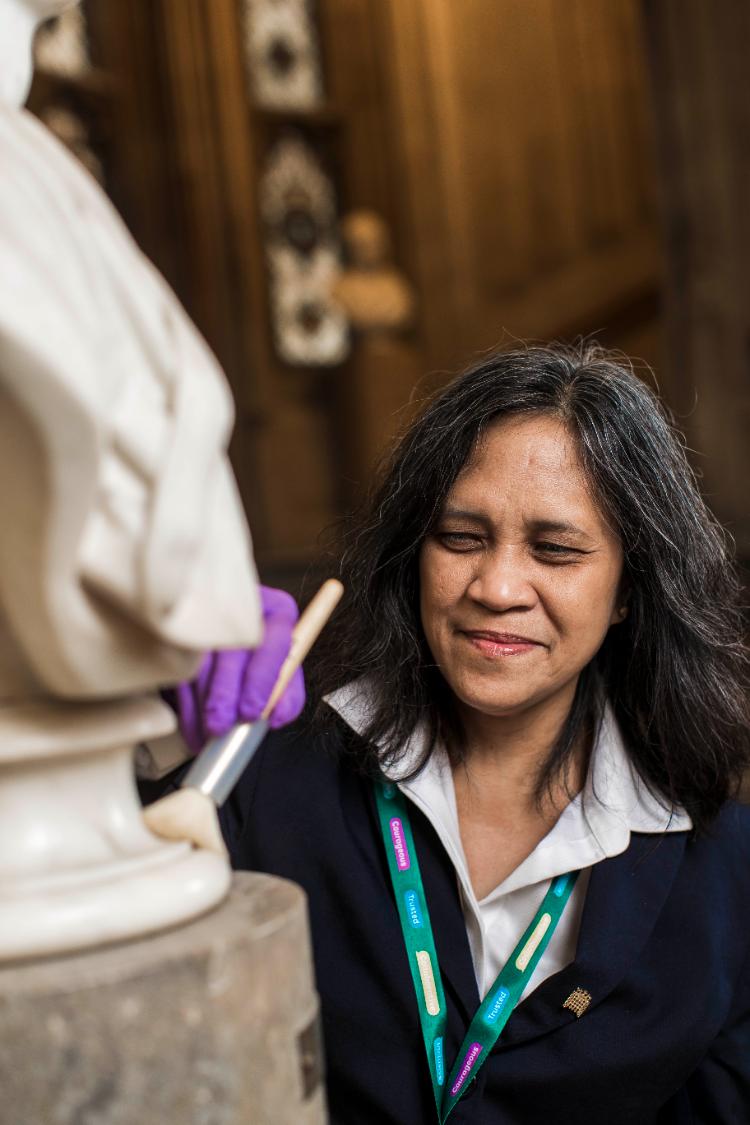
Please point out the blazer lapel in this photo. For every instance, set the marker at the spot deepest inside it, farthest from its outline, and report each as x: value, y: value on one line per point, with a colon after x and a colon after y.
x: 624, y: 898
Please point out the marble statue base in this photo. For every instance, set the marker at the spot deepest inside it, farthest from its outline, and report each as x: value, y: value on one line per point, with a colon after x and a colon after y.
x: 78, y: 866
x: 211, y: 1023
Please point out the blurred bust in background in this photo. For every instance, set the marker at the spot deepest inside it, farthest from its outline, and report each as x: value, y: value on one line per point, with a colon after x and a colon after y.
x: 372, y: 292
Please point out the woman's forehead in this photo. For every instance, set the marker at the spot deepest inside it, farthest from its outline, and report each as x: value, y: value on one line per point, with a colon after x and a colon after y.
x: 529, y: 450
x: 529, y: 465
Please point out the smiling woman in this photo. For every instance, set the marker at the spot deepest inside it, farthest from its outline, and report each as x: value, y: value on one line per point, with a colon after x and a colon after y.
x: 520, y: 563
x: 551, y: 481
x: 513, y: 810
x: 520, y: 581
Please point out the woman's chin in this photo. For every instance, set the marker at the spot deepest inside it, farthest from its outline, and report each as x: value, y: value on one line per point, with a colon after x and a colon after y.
x: 496, y: 707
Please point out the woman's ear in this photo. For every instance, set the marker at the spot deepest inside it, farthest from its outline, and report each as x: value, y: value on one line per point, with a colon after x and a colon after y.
x: 620, y: 612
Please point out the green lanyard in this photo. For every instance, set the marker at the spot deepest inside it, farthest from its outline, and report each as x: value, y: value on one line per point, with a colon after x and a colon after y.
x: 494, y: 1011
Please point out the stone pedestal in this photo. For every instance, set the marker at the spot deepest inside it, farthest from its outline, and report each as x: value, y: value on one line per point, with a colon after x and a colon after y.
x: 214, y: 1023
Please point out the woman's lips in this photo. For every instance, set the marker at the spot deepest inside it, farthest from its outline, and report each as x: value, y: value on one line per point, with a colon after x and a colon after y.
x: 500, y: 644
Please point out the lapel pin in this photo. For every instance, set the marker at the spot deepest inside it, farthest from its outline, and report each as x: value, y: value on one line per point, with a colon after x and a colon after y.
x: 578, y: 1002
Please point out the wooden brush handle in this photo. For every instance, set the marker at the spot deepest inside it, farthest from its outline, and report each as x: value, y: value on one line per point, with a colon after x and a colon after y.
x: 304, y: 636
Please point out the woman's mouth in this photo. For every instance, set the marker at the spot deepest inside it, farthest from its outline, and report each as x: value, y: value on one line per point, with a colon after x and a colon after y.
x: 493, y: 644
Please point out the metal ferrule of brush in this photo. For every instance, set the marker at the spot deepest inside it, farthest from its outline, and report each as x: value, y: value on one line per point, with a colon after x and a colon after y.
x: 219, y: 766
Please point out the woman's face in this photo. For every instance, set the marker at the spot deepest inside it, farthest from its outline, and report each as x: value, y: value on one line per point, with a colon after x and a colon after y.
x: 520, y: 579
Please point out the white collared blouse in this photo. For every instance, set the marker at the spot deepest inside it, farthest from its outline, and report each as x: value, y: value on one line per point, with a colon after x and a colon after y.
x: 594, y: 826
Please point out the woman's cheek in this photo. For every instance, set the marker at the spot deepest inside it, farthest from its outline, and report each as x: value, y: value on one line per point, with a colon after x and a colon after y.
x: 441, y: 583
x: 582, y: 610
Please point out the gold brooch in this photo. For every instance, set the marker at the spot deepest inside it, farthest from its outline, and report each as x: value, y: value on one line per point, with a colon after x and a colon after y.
x: 578, y: 1002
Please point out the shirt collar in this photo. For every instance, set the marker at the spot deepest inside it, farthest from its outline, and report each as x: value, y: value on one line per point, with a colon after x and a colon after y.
x: 615, y: 801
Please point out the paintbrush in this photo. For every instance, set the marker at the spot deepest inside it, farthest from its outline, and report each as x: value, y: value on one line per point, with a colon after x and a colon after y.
x: 190, y: 812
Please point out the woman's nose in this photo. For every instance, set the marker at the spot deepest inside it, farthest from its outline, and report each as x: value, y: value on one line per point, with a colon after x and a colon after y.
x: 502, y: 581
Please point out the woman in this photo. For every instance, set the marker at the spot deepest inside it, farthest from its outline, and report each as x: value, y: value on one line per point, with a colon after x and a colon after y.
x: 535, y: 694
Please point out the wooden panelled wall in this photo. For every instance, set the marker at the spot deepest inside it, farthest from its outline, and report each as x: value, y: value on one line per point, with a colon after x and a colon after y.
x: 702, y: 98
x: 524, y: 156
x: 505, y: 142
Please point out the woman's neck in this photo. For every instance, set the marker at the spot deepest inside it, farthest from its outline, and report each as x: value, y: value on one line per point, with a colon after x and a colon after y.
x: 505, y: 755
x: 501, y: 817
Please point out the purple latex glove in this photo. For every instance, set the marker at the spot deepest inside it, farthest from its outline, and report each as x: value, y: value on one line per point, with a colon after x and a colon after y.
x: 234, y: 686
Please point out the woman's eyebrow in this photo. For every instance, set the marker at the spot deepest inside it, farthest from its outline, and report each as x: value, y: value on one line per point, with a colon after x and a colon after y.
x: 558, y: 527
x: 464, y: 514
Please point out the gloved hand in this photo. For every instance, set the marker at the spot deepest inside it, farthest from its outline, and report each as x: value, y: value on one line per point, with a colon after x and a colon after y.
x: 234, y: 686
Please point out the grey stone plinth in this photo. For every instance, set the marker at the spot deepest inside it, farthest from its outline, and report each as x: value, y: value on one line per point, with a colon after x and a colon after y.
x: 213, y: 1023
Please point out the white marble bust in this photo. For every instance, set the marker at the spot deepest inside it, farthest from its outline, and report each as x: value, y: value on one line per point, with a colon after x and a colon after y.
x: 124, y: 553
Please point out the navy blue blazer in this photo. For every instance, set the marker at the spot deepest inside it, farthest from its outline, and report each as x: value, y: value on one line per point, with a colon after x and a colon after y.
x: 663, y: 951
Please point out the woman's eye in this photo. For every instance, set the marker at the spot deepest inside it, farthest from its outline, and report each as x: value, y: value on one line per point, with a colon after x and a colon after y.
x: 556, y: 550
x: 459, y: 540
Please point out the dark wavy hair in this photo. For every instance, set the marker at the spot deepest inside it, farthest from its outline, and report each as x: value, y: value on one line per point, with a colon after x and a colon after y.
x: 673, y: 671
